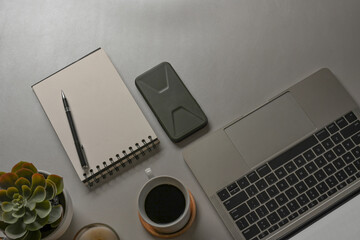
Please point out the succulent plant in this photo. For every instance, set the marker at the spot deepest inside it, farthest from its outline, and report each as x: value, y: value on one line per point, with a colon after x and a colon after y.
x: 28, y: 202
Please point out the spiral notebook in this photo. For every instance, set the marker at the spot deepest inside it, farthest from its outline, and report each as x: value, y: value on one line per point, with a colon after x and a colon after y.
x: 109, y: 123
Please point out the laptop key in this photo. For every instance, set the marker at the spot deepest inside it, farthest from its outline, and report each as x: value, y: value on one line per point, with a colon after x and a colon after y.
x: 351, y: 179
x: 348, y: 157
x: 263, y: 197
x: 301, y: 187
x: 318, y: 149
x: 332, y: 128
x: 322, y: 197
x: 253, y: 203
x: 272, y: 205
x: 253, y: 177
x: 313, y: 204
x: 292, y: 179
x: 311, y: 167
x: 320, y: 175
x: 294, y: 215
x: 251, y: 190
x: 261, y: 184
x: 243, y: 183
x: 350, y: 170
x: 356, y: 138
x: 262, y: 212
x: 351, y: 129
x: 299, y: 161
x: 341, y: 185
x: 320, y: 161
x: 282, y: 185
x: 302, y: 199
x: 301, y: 173
x: 337, y: 138
x: 240, y: 211
x: 263, y: 224
x: 235, y: 200
x: 273, y: 228
x: 350, y: 117
x: 341, y: 175
x: 348, y: 144
x: 271, y: 178
x: 356, y: 152
x: 322, y: 134
x: 263, y: 170
x: 251, y: 232
x: 293, y: 206
x: 310, y: 181
x: 309, y: 155
x: 341, y: 122
x: 331, y: 192
x: 272, y: 191
x: 231, y: 187
x: 283, y: 212
x: 280, y: 172
x: 329, y: 155
x: 331, y: 181
x: 223, y: 194
x: 242, y: 224
x: 263, y: 234
x: 283, y: 222
x: 281, y: 199
x: 329, y: 169
x: 327, y: 144
x: 273, y: 218
x: 339, y: 150
x: 312, y: 193
x: 322, y: 187
x: 290, y: 167
x: 234, y: 191
x: 357, y: 164
x: 339, y: 163
x: 252, y: 217
x: 303, y: 209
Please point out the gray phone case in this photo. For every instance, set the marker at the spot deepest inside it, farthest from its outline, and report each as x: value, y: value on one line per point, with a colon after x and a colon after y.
x: 171, y: 102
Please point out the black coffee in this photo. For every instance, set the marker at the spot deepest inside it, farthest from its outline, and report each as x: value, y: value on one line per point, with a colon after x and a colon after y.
x: 164, y: 204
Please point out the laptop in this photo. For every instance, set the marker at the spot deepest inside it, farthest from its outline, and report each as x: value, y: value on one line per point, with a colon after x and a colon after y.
x: 284, y: 165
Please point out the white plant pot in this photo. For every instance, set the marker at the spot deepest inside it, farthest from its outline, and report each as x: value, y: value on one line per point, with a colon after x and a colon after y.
x: 65, y: 223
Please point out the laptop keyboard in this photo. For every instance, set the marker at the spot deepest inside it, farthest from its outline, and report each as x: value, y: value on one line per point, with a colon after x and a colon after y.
x: 297, y: 180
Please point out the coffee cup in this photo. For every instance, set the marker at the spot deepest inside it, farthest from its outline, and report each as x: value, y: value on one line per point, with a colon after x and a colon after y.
x: 164, y: 203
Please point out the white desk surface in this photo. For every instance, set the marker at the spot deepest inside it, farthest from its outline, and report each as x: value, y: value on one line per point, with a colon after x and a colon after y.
x: 232, y: 56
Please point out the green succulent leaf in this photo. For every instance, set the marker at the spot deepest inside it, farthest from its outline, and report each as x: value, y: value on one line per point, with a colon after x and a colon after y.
x: 26, y: 191
x: 11, y: 191
x: 35, y: 235
x: 17, y: 166
x: 7, y: 206
x: 16, y: 230
x: 43, y: 209
x: 55, y: 214
x: 3, y: 225
x: 30, y: 166
x: 38, y: 224
x: 56, y: 223
x: 38, y: 195
x: 59, y: 183
x: 9, y: 218
x: 3, y: 196
x: 37, y: 179
x: 20, y: 213
x: 25, y: 173
x: 30, y: 216
x: 7, y: 180
x: 20, y: 182
x: 2, y: 173
x: 50, y: 189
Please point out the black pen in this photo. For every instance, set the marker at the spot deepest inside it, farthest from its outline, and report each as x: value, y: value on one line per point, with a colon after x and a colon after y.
x: 79, y: 147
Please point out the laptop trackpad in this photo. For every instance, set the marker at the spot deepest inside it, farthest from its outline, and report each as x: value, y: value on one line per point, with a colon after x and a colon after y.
x: 269, y: 129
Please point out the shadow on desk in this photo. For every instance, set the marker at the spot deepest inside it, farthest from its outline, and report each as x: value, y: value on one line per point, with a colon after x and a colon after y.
x: 193, y: 137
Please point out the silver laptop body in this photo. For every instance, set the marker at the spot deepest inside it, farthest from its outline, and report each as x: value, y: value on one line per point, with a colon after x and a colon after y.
x: 247, y: 144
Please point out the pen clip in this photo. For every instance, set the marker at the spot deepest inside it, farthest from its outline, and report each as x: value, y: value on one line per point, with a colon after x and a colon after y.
x: 86, y: 167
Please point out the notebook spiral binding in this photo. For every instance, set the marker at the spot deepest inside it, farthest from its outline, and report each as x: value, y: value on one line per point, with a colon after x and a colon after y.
x: 115, y: 164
